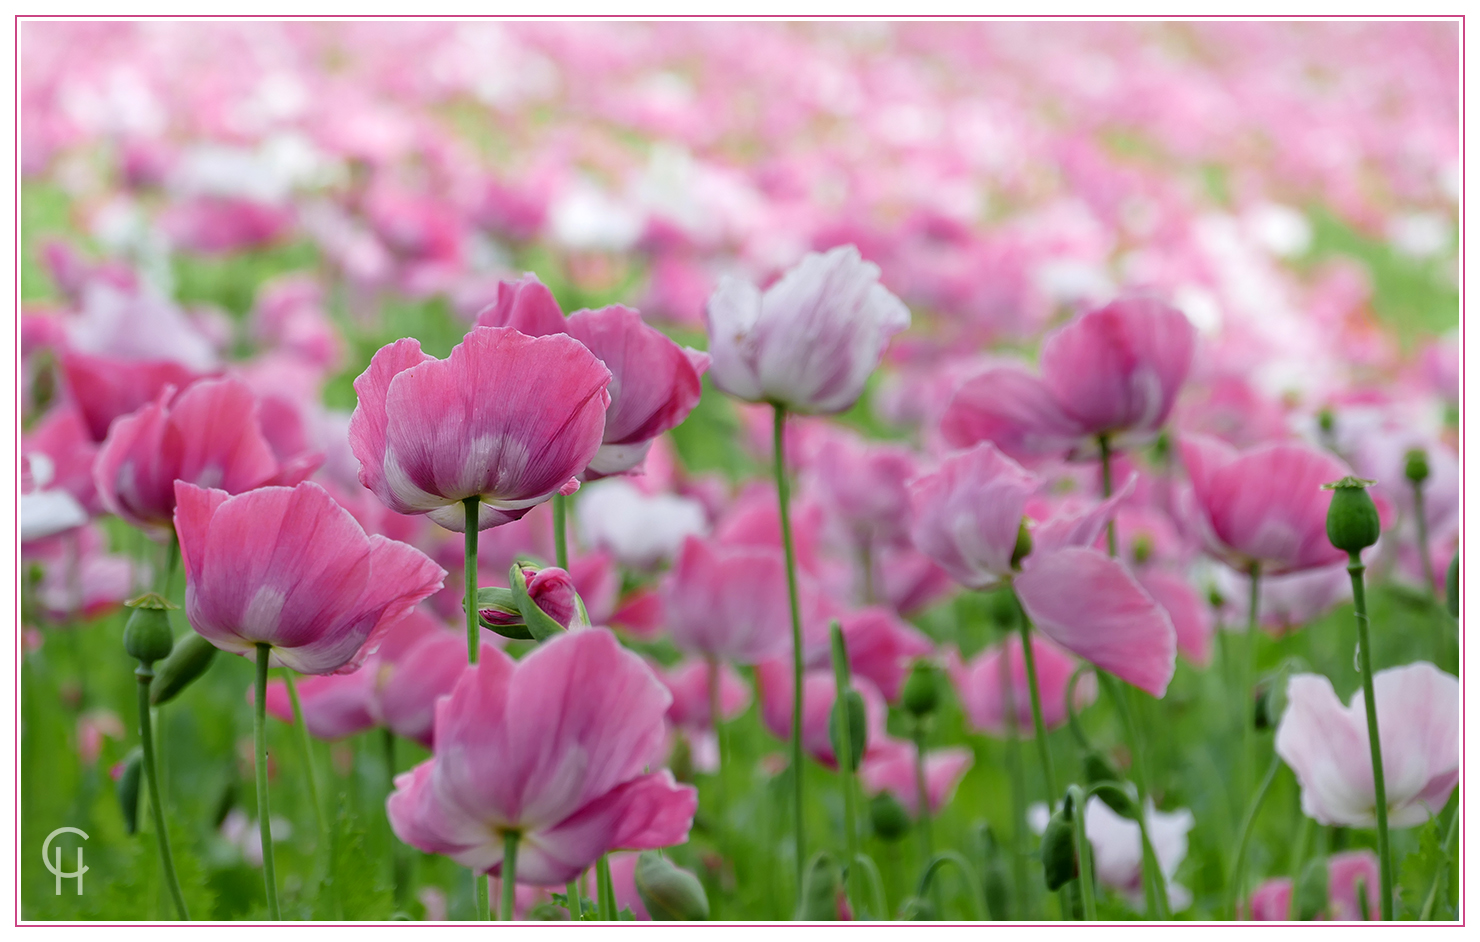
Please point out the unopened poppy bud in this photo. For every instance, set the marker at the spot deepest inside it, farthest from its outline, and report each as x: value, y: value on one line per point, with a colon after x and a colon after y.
x: 546, y: 598
x: 1451, y: 586
x: 128, y: 790
x: 1141, y: 548
x: 1098, y: 769
x: 147, y: 636
x: 890, y: 821
x: 1117, y: 799
x: 1023, y: 546
x: 921, y: 691
x: 1059, y: 863
x: 190, y: 659
x: 1351, y: 522
x: 818, y: 901
x: 1311, y: 891
x: 1416, y: 465
x: 669, y: 893
x: 1326, y: 419
x: 857, y: 728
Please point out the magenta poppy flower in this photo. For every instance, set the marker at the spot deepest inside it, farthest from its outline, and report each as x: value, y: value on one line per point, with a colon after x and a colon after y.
x: 991, y: 693
x: 880, y: 647
x: 655, y: 382
x: 728, y: 602
x: 688, y: 682
x: 506, y: 418
x: 62, y: 437
x: 418, y: 661
x: 1187, y: 609
x: 291, y: 568
x: 890, y: 767
x: 1265, y: 506
x: 1114, y: 372
x: 105, y: 388
x: 554, y: 747
x: 1271, y: 901
x: 809, y: 341
x: 210, y: 435
x: 774, y: 682
x: 1325, y: 744
x: 865, y: 486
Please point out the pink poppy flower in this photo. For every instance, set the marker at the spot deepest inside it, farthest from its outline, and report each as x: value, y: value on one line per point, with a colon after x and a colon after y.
x: 688, y: 682
x: 506, y: 418
x: 1115, y: 371
x: 553, y: 747
x: 864, y: 485
x: 1265, y: 506
x: 809, y: 341
x: 728, y: 602
x: 210, y: 435
x: 1187, y: 609
x: 890, y: 767
x: 989, y: 704
x: 1325, y: 744
x: 774, y: 682
x: 291, y: 568
x: 1271, y: 901
x: 62, y: 436
x: 1116, y: 843
x: 880, y: 647
x: 105, y: 388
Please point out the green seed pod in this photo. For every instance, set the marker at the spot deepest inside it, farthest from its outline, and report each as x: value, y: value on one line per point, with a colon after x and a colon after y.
x: 1024, y: 545
x: 1351, y: 522
x: 186, y: 663
x: 821, y: 880
x: 1416, y: 465
x: 1311, y: 891
x: 857, y: 727
x: 1117, y: 799
x: 1451, y: 587
x: 147, y: 636
x: 1059, y: 863
x: 128, y: 789
x: 1327, y: 420
x: 1098, y: 769
x: 891, y: 822
x: 921, y: 693
x: 669, y: 893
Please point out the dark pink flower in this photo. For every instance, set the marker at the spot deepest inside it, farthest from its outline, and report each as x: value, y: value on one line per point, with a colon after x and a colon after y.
x: 728, y: 602
x: 105, y: 388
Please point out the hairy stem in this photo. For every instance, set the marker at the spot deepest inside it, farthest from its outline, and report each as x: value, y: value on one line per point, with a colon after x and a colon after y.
x: 1356, y: 570
x: 145, y: 674
x: 470, y: 575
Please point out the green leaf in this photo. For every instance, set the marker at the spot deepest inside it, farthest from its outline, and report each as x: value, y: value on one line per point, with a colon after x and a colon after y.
x: 1421, y: 868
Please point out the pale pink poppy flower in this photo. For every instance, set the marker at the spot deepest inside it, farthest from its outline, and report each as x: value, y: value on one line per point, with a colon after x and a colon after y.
x: 210, y: 435
x: 430, y: 433
x: 92, y: 728
x: 688, y: 681
x: 890, y: 767
x: 244, y: 834
x: 62, y: 436
x: 44, y: 511
x: 1271, y: 901
x: 642, y: 530
x: 774, y: 683
x: 1113, y: 372
x: 555, y: 747
x: 1325, y: 744
x: 989, y: 706
x: 864, y: 485
x: 1186, y: 607
x: 82, y: 579
x: 911, y: 581
x: 291, y: 568
x: 1287, y: 602
x: 1264, y: 507
x: 809, y: 341
x: 219, y: 225
x: 880, y: 647
x: 1116, y: 842
x: 728, y: 602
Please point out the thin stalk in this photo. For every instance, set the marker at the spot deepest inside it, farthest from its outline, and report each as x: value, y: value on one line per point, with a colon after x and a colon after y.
x: 1246, y: 696
x: 1040, y: 730
x: 1427, y: 912
x: 1423, y: 539
x: 145, y: 674
x: 326, y: 835
x: 507, y: 874
x: 719, y: 771
x: 562, y: 555
x: 845, y: 764
x: 1245, y: 831
x: 866, y: 563
x: 783, y: 497
x: 1151, y: 876
x: 398, y: 854
x: 1356, y: 569
x: 1107, y: 487
x: 606, y: 901
x: 264, y: 812
x: 922, y: 801
x: 1019, y: 791
x: 1082, y: 855
x: 481, y: 912
x: 470, y: 575
x: 573, y: 901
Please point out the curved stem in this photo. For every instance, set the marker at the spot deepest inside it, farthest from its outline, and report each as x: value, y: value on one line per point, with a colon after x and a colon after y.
x: 973, y: 885
x: 875, y: 884
x: 1423, y: 539
x: 264, y: 811
x: 1069, y: 711
x: 1245, y: 831
x: 1151, y: 875
x: 1040, y: 730
x: 326, y: 836
x: 145, y: 674
x: 562, y: 554
x: 470, y: 575
x: 508, y: 873
x: 783, y: 497
x: 1082, y: 856
x: 1364, y: 651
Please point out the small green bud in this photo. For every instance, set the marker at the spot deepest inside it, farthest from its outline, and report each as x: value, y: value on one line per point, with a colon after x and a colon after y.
x: 1351, y: 522
x: 1416, y: 465
x: 1117, y: 799
x: 1327, y: 420
x: 891, y: 822
x: 186, y: 663
x: 857, y: 728
x: 128, y: 789
x: 147, y: 636
x: 921, y: 694
x: 1024, y: 545
x: 669, y: 893
x: 1098, y: 769
x: 818, y: 901
x: 1142, y: 548
x: 1451, y: 586
x: 1215, y: 598
x: 1311, y: 891
x: 1059, y: 863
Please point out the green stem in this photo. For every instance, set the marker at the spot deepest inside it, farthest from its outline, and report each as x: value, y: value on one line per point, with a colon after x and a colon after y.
x: 783, y: 497
x: 719, y: 771
x: 1082, y: 855
x: 508, y: 874
x: 1151, y: 875
x: 1040, y: 730
x: 1107, y: 487
x: 1019, y: 792
x: 1245, y: 831
x: 562, y: 556
x: 398, y: 855
x: 1246, y: 696
x: 145, y: 674
x: 470, y: 575
x: 481, y: 911
x: 264, y: 812
x: 922, y: 801
x: 573, y: 901
x: 973, y: 885
x: 845, y: 764
x: 1356, y: 569
x: 326, y: 836
x: 1423, y: 540
x: 1442, y: 873
x: 606, y: 902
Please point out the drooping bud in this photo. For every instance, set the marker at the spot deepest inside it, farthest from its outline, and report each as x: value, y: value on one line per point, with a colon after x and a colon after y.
x: 1057, y: 848
x: 147, y: 636
x: 1098, y: 769
x: 669, y: 893
x: 186, y: 663
x: 128, y: 789
x: 852, y: 701
x: 818, y: 901
x: 890, y: 821
x: 1023, y: 546
x: 1451, y: 586
x: 921, y: 693
x: 1416, y: 466
x: 1352, y: 523
x: 1117, y: 799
